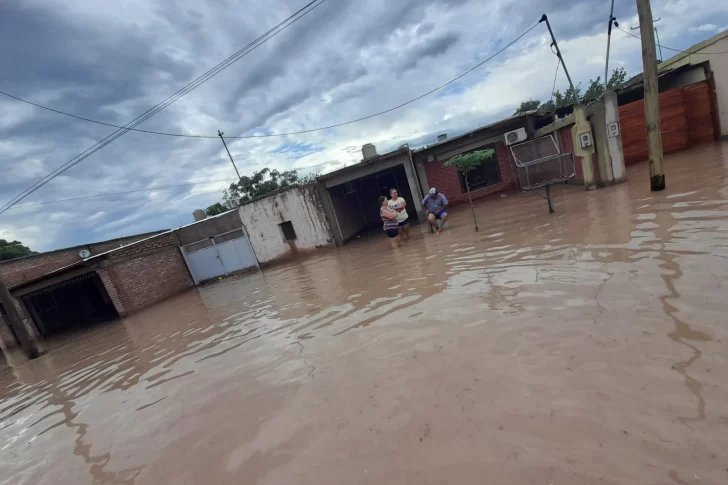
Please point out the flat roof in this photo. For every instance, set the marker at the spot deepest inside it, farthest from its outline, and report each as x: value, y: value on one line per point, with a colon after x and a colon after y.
x: 82, y: 262
x: 695, y: 49
x: 83, y: 246
x: 364, y: 163
x: 495, y: 124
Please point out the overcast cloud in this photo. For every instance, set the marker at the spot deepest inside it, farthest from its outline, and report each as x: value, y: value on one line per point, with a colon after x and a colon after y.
x: 112, y: 60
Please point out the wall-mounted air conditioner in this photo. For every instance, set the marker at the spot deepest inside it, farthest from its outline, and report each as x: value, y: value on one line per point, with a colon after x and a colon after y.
x: 515, y: 136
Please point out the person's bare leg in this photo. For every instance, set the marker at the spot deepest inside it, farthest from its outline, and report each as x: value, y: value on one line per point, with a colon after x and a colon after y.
x: 443, y: 220
x: 433, y: 221
x: 395, y: 242
x: 406, y: 232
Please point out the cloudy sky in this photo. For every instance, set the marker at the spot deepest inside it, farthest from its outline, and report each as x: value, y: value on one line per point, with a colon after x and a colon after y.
x: 112, y: 60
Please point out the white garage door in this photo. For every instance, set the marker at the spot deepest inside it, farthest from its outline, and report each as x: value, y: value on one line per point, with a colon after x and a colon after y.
x: 219, y: 256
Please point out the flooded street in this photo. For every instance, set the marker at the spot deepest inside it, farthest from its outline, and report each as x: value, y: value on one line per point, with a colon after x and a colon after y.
x: 584, y: 347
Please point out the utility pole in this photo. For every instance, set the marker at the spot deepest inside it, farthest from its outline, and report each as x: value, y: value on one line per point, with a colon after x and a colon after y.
x: 544, y: 18
x: 612, y: 20
x: 652, y: 95
x: 15, y: 322
x: 220, y: 133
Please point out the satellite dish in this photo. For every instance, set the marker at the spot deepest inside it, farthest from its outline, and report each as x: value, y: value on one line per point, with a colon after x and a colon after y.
x: 84, y: 253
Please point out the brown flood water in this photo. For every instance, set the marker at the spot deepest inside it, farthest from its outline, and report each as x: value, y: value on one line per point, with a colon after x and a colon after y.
x: 584, y: 347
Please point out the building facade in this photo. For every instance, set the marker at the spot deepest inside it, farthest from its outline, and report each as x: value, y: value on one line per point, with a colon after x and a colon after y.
x: 287, y: 223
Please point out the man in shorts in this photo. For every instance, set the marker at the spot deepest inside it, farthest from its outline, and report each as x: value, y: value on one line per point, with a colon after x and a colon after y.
x: 436, y: 207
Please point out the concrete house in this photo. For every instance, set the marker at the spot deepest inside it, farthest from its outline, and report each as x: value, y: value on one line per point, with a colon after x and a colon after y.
x: 89, y: 284
x: 349, y: 195
x: 494, y: 176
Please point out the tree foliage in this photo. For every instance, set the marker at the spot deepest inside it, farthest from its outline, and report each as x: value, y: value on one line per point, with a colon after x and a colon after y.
x: 527, y: 106
x: 13, y: 249
x: 594, y: 90
x: 215, y: 209
x: 261, y: 183
x: 467, y: 162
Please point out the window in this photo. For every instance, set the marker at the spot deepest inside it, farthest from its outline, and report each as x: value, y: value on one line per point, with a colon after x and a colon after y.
x: 288, y: 232
x: 486, y: 174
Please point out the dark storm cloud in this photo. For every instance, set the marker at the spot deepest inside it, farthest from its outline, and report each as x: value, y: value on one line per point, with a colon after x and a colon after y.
x: 112, y: 61
x: 432, y: 47
x: 93, y: 67
x: 567, y: 19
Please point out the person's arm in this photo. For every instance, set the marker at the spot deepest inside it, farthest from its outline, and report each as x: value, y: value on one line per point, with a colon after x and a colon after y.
x: 445, y: 203
x: 401, y: 204
x: 389, y: 214
x: 424, y: 205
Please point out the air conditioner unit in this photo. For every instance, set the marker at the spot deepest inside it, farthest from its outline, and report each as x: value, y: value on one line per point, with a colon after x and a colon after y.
x: 430, y: 158
x: 515, y: 136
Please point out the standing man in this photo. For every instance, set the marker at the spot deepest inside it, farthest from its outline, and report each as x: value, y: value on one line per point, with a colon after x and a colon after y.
x: 436, y: 207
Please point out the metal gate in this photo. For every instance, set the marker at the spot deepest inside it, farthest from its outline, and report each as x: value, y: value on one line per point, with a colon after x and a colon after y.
x: 219, y: 256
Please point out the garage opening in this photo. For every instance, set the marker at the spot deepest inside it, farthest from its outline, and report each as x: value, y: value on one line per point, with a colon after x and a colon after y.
x: 356, y: 206
x: 77, y: 302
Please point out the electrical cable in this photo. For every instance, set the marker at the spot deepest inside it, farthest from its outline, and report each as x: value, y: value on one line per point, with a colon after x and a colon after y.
x: 169, y: 100
x: 553, y: 88
x: 290, y: 133
x: 109, y: 194
x: 84, y: 155
x: 676, y: 50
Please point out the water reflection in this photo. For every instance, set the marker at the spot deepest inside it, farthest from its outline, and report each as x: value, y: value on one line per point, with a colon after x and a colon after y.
x: 543, y: 334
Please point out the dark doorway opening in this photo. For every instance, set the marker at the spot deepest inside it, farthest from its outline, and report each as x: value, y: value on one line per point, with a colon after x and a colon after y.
x: 74, y: 303
x: 356, y: 202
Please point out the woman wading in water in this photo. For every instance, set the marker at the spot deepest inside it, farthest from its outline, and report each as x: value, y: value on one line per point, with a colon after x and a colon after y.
x: 389, y: 218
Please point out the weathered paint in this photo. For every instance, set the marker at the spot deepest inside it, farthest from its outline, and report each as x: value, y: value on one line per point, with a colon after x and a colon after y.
x: 300, y: 206
x: 582, y: 125
x: 611, y: 107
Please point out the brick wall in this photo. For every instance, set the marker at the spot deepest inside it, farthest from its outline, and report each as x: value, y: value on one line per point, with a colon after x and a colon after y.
x: 145, y: 273
x: 19, y: 270
x: 447, y: 181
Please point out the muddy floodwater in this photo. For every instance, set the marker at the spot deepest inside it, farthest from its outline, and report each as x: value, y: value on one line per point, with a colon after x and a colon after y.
x: 585, y: 347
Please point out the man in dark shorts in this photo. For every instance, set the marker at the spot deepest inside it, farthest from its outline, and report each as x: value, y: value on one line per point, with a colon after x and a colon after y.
x: 436, y: 207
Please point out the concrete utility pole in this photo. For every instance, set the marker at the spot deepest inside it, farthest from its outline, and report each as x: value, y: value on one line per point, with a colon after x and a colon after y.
x: 609, y: 41
x: 652, y: 95
x: 544, y: 18
x: 15, y: 321
x: 220, y: 133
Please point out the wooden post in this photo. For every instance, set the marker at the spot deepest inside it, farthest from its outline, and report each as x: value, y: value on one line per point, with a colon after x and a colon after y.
x: 27, y: 340
x: 652, y: 95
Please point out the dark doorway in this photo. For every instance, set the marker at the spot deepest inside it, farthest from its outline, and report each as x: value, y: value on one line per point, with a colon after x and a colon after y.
x: 356, y: 203
x: 74, y: 303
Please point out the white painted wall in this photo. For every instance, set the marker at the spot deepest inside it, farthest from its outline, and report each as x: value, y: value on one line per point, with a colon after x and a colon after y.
x: 300, y: 206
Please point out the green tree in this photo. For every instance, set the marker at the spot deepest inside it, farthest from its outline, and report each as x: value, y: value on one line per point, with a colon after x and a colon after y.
x: 215, y: 209
x: 617, y: 79
x: 467, y: 162
x: 13, y: 249
x: 262, y: 183
x: 527, y: 106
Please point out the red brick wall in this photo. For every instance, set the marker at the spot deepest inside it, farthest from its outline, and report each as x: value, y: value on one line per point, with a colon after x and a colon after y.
x: 145, y: 273
x: 447, y: 181
x: 19, y: 270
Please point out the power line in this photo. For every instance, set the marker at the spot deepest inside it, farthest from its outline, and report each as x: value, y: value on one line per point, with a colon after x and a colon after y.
x: 169, y: 100
x: 676, y: 50
x: 289, y: 133
x: 109, y: 194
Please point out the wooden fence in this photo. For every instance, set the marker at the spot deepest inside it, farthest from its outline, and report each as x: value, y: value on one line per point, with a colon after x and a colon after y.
x: 687, y: 117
